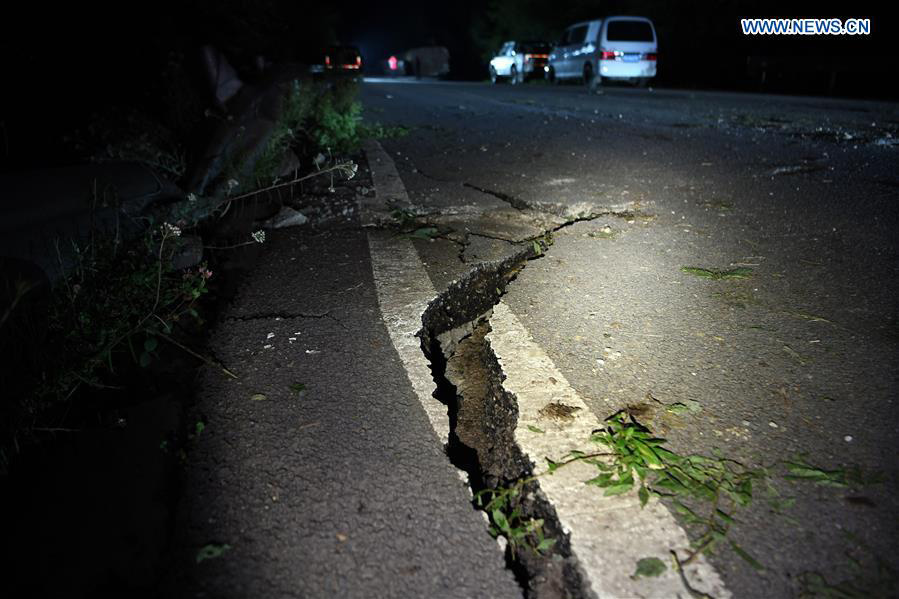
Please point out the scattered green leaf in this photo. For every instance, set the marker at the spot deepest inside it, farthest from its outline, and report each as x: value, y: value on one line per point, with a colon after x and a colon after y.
x: 649, y: 567
x: 715, y: 275
x: 424, y: 233
x: 211, y: 551
x: 745, y: 556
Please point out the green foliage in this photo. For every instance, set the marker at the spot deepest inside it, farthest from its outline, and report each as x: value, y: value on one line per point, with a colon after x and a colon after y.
x: 506, y: 519
x: 425, y: 233
x: 716, y: 275
x: 131, y: 135
x: 640, y: 460
x: 379, y: 131
x: 315, y: 117
x: 336, y: 117
x: 404, y: 218
x: 802, y: 471
x: 120, y: 298
x: 870, y: 576
x: 212, y: 551
x: 649, y: 567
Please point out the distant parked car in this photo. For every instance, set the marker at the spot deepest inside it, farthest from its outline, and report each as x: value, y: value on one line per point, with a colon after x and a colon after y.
x: 519, y: 61
x: 344, y: 60
x: 614, y: 48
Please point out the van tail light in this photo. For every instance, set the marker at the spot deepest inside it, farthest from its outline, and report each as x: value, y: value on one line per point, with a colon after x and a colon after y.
x: 327, y: 61
x: 650, y: 56
x: 609, y: 54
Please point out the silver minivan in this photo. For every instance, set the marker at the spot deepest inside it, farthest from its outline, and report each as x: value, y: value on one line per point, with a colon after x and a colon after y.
x: 616, y: 48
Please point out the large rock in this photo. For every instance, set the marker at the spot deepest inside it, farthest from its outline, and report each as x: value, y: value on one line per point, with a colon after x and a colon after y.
x: 252, y: 114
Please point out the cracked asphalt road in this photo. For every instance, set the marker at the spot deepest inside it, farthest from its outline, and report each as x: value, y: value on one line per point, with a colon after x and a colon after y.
x: 797, y: 359
x: 318, y: 467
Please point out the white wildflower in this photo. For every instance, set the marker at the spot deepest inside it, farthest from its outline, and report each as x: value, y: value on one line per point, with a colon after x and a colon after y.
x: 191, y: 197
x: 259, y: 236
x: 170, y: 229
x: 232, y: 183
x: 319, y: 160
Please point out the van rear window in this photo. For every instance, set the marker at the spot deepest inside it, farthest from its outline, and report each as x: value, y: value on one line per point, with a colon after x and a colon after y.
x: 629, y: 31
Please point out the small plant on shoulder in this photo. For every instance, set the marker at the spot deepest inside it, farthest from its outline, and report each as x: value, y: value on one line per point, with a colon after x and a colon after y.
x: 503, y: 507
x: 130, y: 135
x: 327, y: 165
x: 639, y: 460
x: 256, y: 237
x: 632, y: 457
x: 380, y: 131
x: 346, y: 168
x: 120, y: 299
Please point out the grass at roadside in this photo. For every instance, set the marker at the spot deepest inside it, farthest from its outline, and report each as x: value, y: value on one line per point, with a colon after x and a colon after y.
x: 707, y: 492
x: 717, y: 275
x: 122, y: 305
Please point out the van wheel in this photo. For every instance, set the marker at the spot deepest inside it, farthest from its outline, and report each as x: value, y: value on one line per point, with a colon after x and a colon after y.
x: 551, y: 76
x: 591, y: 80
x: 493, y: 76
x: 588, y: 76
x: 641, y: 81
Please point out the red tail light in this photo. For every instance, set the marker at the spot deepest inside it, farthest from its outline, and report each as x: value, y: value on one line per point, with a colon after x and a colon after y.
x: 608, y: 54
x: 327, y: 61
x: 358, y: 61
x: 650, y: 56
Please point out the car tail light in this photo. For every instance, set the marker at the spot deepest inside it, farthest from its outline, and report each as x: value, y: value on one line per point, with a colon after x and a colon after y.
x: 358, y: 61
x: 650, y: 56
x: 609, y: 54
x: 327, y: 61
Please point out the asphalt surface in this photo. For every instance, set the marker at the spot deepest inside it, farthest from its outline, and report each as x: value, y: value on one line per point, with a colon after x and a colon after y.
x: 318, y: 468
x: 797, y: 361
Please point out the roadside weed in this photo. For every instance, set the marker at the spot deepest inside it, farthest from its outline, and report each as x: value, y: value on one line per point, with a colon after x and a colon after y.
x: 716, y: 275
x: 211, y: 551
x: 507, y: 520
x: 799, y: 470
x: 649, y: 567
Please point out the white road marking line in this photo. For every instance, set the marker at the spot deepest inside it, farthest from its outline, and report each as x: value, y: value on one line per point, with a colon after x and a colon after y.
x: 403, y: 286
x: 608, y: 534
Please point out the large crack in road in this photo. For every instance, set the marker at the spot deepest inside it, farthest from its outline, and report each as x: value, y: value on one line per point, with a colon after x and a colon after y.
x: 483, y: 414
x: 481, y: 421
x: 483, y: 417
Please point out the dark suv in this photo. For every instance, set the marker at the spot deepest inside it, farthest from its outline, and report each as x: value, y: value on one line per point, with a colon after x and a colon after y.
x: 345, y: 60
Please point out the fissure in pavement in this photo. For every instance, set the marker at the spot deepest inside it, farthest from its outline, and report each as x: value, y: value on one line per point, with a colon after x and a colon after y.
x: 483, y: 417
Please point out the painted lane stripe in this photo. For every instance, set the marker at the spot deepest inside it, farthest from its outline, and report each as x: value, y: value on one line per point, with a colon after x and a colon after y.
x: 403, y: 286
x: 608, y: 534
